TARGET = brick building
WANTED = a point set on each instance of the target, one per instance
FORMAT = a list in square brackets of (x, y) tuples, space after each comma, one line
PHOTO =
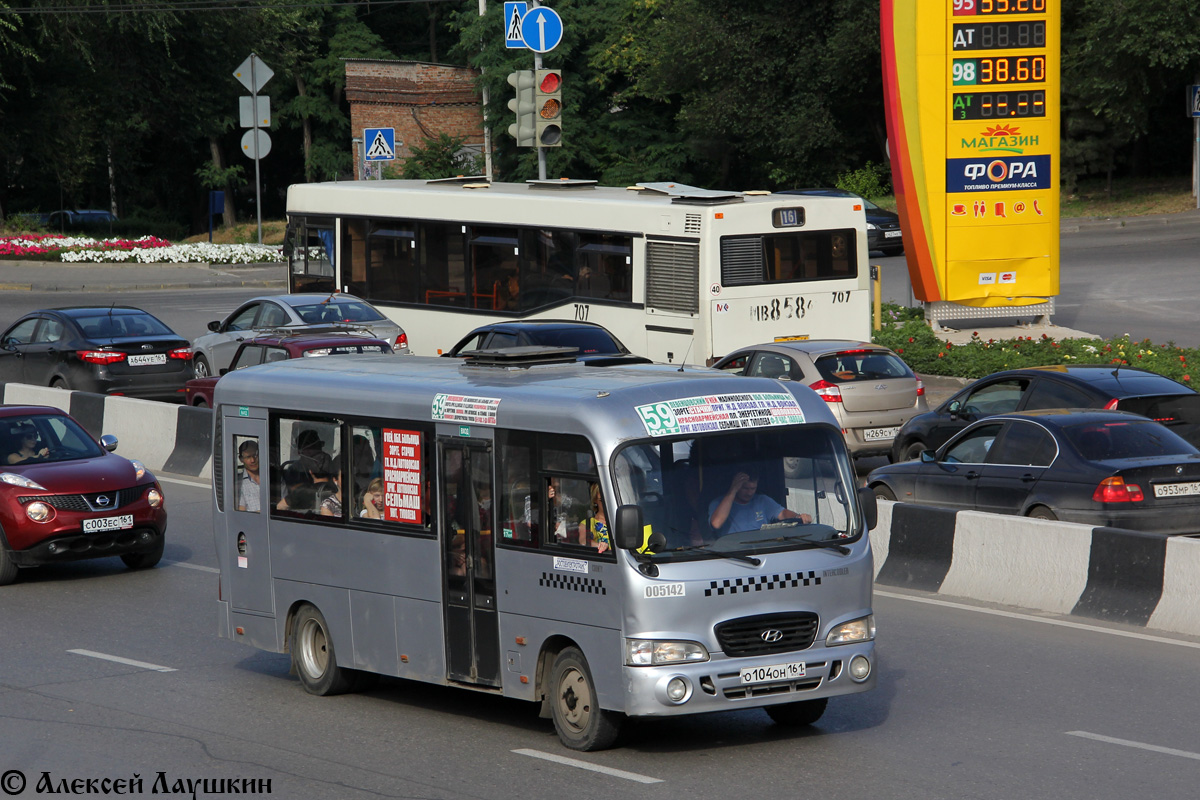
[(418, 99)]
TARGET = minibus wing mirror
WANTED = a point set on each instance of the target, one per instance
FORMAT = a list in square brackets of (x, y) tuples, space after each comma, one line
[(866, 498), (629, 527)]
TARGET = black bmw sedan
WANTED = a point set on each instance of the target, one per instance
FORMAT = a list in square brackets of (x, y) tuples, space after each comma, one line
[(1096, 467), (109, 350)]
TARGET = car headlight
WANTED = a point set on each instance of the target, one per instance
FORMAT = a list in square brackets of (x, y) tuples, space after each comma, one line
[(139, 468), (20, 480), (649, 652), (859, 630), (154, 497), (870, 226), (39, 511)]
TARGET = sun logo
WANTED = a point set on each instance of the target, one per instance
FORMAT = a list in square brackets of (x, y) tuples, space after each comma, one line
[(1001, 130)]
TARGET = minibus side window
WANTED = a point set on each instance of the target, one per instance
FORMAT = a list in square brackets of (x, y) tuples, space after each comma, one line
[(520, 498), (576, 513), (305, 461), (390, 475)]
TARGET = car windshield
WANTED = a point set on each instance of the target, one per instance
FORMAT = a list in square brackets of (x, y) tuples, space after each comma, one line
[(338, 310), (42, 438), (103, 325), (346, 349), (866, 365), (1106, 441), (787, 488), (589, 341)]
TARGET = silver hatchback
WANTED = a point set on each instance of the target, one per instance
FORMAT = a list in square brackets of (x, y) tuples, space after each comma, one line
[(869, 388), (214, 351)]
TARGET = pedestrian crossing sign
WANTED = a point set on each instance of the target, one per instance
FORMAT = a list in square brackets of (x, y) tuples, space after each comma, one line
[(381, 144)]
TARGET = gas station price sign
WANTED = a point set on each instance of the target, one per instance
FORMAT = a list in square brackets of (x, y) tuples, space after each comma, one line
[(988, 8)]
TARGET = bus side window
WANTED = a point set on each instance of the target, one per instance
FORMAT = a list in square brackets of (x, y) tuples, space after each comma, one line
[(305, 458), (520, 502)]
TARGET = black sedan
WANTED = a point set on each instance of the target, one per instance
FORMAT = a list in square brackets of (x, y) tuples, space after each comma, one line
[(1090, 386), (109, 350), (595, 344), (883, 226), (1095, 467)]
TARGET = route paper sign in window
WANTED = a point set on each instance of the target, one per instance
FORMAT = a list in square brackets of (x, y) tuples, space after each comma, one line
[(402, 476), (720, 412)]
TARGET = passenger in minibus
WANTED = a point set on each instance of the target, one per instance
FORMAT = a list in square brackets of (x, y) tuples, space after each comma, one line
[(743, 509), (248, 484), (331, 505), (299, 488), (372, 500), (593, 531)]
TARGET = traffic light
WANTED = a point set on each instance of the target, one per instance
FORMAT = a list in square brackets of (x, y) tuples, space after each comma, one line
[(549, 107), (523, 130)]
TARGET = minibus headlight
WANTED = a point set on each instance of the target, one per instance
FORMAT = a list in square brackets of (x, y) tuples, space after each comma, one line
[(648, 652), (859, 630)]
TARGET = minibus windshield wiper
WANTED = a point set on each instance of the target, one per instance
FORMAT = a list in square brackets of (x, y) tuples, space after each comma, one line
[(692, 548), (822, 543)]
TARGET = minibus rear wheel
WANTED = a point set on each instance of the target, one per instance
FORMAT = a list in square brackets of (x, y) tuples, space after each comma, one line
[(580, 721), (313, 657), (805, 712)]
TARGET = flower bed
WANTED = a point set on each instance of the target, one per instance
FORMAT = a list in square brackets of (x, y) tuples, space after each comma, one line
[(916, 343), (145, 250)]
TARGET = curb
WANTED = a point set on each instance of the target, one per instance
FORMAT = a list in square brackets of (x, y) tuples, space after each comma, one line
[(125, 287), (163, 436), (1108, 574)]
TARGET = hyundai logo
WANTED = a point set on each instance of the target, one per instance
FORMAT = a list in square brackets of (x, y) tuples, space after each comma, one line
[(771, 635), (102, 500)]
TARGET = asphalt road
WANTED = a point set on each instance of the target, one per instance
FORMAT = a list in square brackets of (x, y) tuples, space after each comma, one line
[(973, 702)]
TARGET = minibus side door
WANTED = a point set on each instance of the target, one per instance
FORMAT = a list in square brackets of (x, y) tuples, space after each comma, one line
[(245, 502), (465, 486)]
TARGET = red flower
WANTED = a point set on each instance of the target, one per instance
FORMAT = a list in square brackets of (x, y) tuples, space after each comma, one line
[(941, 355), (899, 349), (910, 339), (1187, 377)]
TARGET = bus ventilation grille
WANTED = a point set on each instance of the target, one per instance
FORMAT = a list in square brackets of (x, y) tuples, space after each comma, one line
[(767, 633)]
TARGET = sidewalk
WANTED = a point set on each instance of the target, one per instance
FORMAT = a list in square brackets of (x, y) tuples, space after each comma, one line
[(50, 276)]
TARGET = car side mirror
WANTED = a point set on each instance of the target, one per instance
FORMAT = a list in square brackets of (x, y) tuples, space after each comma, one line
[(870, 506), (629, 527), (928, 457), (108, 442), (955, 408), (215, 325)]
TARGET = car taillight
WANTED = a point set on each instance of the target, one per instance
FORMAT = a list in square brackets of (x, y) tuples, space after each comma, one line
[(920, 388), (100, 356), (830, 392), (1111, 405), (182, 353), (1116, 490), (401, 342)]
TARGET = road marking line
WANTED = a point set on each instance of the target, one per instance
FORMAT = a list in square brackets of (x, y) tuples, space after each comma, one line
[(185, 483), (1145, 637), (1170, 751), (128, 661), (186, 565), (574, 762)]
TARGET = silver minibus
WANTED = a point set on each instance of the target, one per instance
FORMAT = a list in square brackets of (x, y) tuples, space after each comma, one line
[(605, 542)]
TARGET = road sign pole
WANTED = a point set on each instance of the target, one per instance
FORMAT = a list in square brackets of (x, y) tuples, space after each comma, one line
[(541, 151), (257, 180)]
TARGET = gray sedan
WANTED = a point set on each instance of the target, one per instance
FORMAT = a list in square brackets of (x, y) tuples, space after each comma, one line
[(869, 388), (214, 351)]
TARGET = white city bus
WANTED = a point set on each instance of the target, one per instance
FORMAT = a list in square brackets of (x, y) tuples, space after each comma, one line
[(678, 274), (545, 532)]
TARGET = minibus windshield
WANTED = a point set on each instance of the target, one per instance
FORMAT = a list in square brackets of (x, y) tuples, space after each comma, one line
[(741, 493)]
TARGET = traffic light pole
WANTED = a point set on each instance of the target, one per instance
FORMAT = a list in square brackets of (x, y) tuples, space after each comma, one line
[(541, 151)]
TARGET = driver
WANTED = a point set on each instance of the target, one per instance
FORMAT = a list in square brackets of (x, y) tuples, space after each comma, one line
[(29, 450), (743, 509)]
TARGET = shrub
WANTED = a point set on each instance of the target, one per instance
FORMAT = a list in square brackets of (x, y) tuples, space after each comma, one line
[(870, 181)]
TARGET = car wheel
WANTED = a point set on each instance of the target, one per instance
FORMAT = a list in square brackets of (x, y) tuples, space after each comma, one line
[(795, 715), (580, 722), (147, 559), (913, 451), (8, 570), (60, 383), (200, 366), (313, 657), (1041, 512), (200, 403), (893, 251), (883, 493)]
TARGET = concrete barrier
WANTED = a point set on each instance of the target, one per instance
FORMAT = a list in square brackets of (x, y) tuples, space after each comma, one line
[(163, 436), (1060, 567)]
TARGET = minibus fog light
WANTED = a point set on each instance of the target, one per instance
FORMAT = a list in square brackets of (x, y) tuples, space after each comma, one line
[(859, 630), (860, 669), (677, 690), (154, 498), (39, 512), (648, 652)]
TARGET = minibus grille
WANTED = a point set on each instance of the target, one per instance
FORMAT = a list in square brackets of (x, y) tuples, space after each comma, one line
[(767, 633)]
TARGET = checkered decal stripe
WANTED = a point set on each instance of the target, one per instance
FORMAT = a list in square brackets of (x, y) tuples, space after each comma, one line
[(761, 583), (572, 583)]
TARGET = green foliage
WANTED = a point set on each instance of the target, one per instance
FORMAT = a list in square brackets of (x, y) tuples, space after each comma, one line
[(213, 178), (914, 341), (869, 181), (442, 157)]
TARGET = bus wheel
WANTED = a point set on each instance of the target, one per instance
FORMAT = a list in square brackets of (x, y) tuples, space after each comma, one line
[(313, 657), (578, 718), (806, 712)]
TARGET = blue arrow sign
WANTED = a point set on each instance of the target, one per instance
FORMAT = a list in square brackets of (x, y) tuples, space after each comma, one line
[(542, 29), (513, 14)]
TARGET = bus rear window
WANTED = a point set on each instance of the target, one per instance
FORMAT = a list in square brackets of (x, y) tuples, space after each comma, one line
[(788, 257)]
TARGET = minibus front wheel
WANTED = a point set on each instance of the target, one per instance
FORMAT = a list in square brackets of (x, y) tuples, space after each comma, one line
[(313, 657), (580, 722)]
